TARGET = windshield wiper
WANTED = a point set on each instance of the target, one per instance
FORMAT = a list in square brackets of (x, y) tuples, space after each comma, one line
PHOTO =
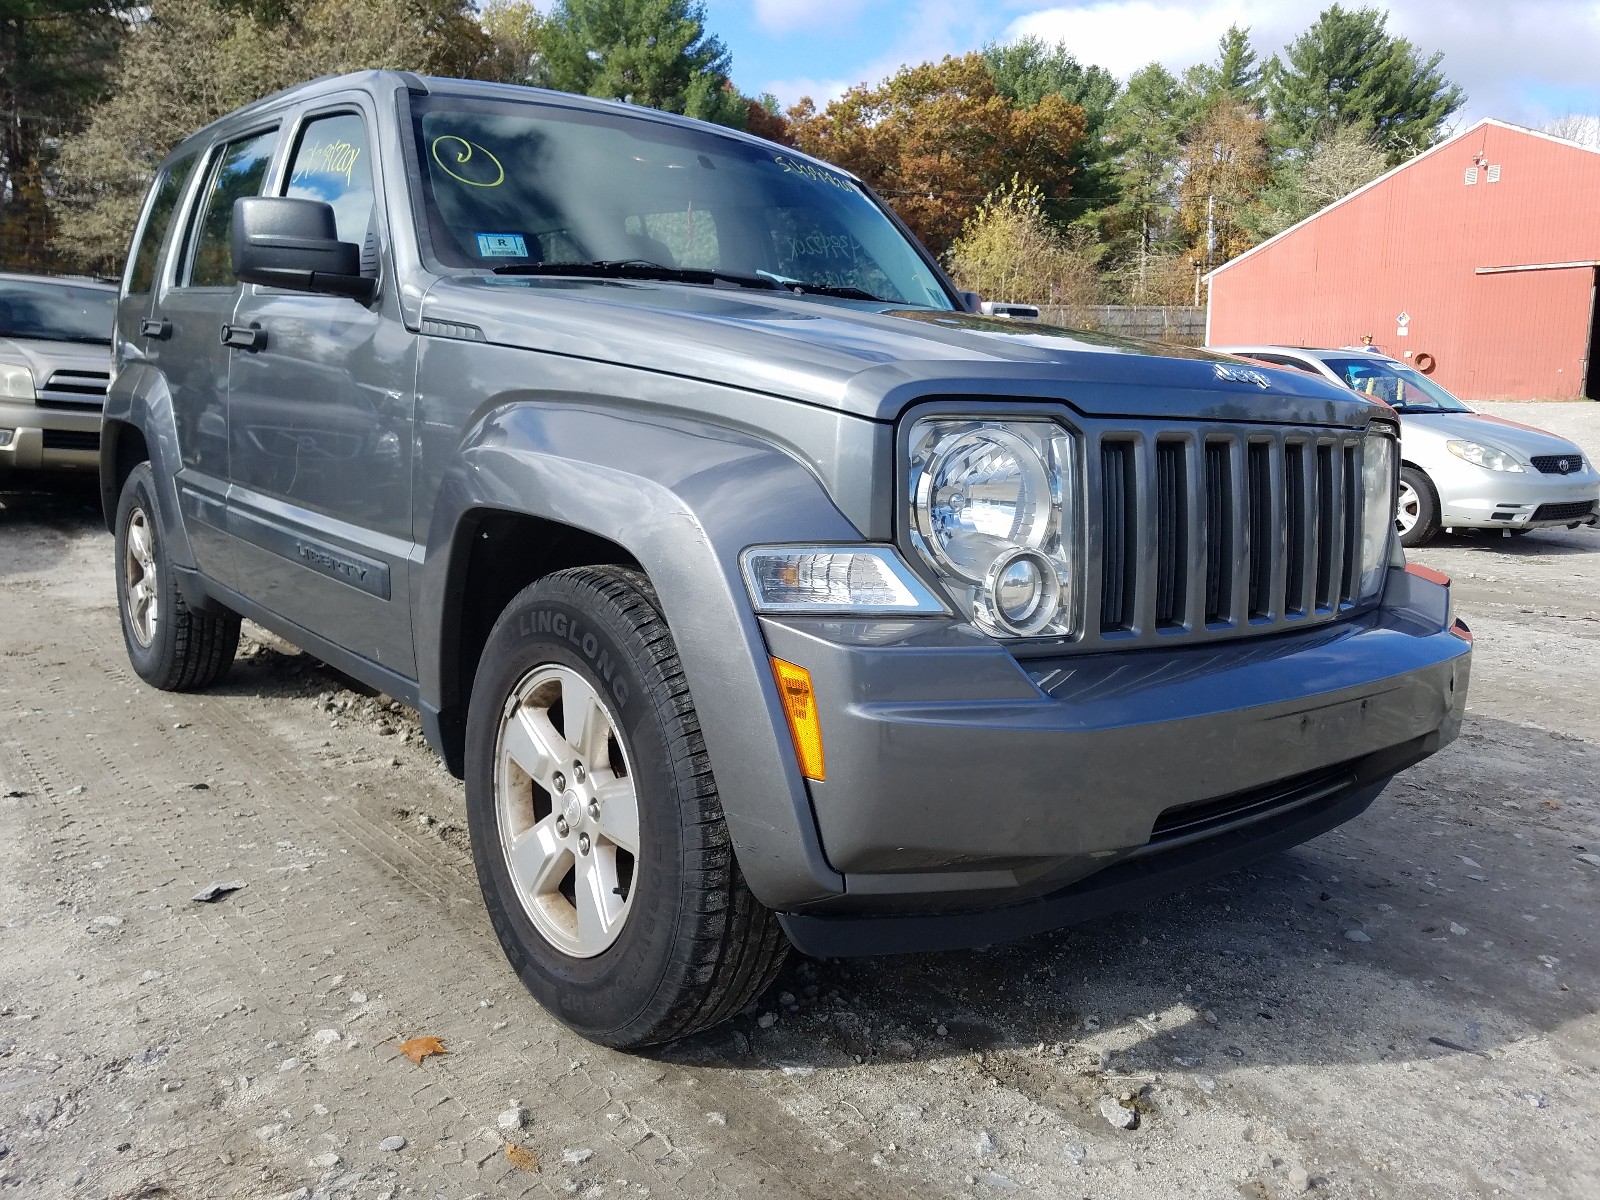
[(642, 268), (838, 291), (635, 268)]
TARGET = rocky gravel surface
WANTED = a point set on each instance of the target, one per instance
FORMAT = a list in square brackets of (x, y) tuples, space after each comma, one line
[(1404, 1008)]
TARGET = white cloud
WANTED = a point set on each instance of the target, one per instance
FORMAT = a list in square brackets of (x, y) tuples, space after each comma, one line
[(785, 16), (1525, 61), (928, 30)]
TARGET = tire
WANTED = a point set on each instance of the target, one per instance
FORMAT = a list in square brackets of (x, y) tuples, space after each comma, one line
[(668, 940), (172, 646), (1417, 520)]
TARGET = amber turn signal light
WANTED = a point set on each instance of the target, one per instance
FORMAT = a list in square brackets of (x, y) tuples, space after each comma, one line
[(800, 707)]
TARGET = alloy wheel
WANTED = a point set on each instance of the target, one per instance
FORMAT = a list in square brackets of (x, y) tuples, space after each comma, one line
[(1409, 510), (567, 811), (139, 582)]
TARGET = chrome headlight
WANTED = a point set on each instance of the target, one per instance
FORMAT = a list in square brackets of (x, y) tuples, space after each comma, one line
[(16, 382), (1490, 458), (1379, 485), (992, 513)]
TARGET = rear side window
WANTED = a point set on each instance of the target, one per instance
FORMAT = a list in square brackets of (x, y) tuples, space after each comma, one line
[(239, 171), (333, 164), (154, 234)]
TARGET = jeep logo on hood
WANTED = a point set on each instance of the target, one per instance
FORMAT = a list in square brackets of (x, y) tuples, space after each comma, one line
[(1232, 374)]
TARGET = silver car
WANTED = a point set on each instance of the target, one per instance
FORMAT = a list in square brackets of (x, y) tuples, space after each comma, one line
[(55, 363), (1460, 469)]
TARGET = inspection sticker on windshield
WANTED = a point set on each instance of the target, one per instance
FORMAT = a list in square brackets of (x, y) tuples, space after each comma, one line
[(502, 245)]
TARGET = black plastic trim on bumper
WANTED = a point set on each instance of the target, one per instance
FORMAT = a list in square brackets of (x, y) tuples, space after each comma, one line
[(1126, 885)]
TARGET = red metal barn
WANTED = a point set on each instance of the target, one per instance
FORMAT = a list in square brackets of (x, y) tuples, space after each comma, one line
[(1477, 261)]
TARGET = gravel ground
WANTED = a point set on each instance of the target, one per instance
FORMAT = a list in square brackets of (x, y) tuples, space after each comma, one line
[(1403, 1008)]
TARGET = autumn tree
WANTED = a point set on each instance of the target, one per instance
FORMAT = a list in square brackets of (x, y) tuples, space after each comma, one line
[(935, 139), (1347, 69), (1009, 250), (1028, 70), (1224, 169), (517, 33), (187, 62), (651, 52)]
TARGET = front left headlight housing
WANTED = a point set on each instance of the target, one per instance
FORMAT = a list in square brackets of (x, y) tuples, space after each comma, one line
[(1490, 458), (16, 382), (1380, 461), (992, 513)]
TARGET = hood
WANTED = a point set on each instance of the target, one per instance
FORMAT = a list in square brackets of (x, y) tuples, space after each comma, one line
[(869, 360), (44, 357), (1522, 440)]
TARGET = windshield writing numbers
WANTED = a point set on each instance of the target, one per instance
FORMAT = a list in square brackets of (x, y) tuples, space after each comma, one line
[(469, 163), (821, 245), (794, 167), (327, 158)]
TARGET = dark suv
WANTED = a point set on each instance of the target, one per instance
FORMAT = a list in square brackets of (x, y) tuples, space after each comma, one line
[(761, 591)]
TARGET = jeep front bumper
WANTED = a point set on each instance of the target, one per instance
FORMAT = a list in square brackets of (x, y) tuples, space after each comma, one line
[(971, 795)]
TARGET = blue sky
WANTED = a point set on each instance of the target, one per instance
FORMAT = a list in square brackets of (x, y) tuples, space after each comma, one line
[(1521, 60)]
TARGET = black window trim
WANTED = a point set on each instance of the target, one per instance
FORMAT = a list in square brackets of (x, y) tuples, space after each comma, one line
[(343, 104), (185, 159), (184, 264)]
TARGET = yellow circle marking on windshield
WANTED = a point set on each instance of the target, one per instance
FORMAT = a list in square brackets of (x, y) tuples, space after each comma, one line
[(463, 156)]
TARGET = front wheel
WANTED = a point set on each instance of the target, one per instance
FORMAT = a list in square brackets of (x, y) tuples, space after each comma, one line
[(1417, 515), (596, 827), (171, 646)]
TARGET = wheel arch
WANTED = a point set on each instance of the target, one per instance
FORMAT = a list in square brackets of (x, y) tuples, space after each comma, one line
[(122, 448), (568, 484)]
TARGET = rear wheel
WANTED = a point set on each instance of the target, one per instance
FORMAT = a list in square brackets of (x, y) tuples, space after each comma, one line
[(1417, 515), (171, 645), (596, 827)]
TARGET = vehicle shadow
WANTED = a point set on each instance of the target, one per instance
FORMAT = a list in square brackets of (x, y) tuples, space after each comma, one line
[(52, 509), (1441, 922), (1534, 543)]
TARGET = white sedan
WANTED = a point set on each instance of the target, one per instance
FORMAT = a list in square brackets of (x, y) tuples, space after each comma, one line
[(1460, 469)]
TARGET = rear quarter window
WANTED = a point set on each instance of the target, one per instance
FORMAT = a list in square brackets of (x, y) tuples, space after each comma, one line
[(153, 234)]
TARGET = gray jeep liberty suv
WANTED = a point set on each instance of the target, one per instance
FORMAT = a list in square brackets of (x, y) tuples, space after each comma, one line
[(760, 591)]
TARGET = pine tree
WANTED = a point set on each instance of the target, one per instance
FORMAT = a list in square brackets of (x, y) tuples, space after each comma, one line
[(1347, 69), (1027, 71), (651, 52), (1145, 127), (55, 57)]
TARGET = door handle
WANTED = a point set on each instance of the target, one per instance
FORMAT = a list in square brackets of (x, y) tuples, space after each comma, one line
[(160, 329), (245, 337)]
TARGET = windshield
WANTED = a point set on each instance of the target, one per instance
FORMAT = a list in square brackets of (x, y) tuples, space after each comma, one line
[(56, 312), (525, 187), (1403, 387)]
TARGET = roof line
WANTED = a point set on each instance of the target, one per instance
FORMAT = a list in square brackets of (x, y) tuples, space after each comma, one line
[(1451, 140), (1561, 266)]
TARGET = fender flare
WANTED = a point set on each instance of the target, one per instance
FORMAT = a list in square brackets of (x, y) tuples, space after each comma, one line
[(683, 501)]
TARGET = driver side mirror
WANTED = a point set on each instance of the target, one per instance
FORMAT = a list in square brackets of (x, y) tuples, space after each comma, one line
[(285, 242)]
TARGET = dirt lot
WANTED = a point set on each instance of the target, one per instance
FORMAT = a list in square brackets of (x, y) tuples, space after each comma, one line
[(1404, 1008)]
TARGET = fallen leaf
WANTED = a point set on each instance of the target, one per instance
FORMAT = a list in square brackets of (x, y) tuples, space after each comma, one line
[(1551, 805), (521, 1157), (419, 1048)]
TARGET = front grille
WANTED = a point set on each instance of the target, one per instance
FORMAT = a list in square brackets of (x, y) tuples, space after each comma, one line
[(74, 389), (1214, 532), (72, 439), (1574, 510), (1552, 464)]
